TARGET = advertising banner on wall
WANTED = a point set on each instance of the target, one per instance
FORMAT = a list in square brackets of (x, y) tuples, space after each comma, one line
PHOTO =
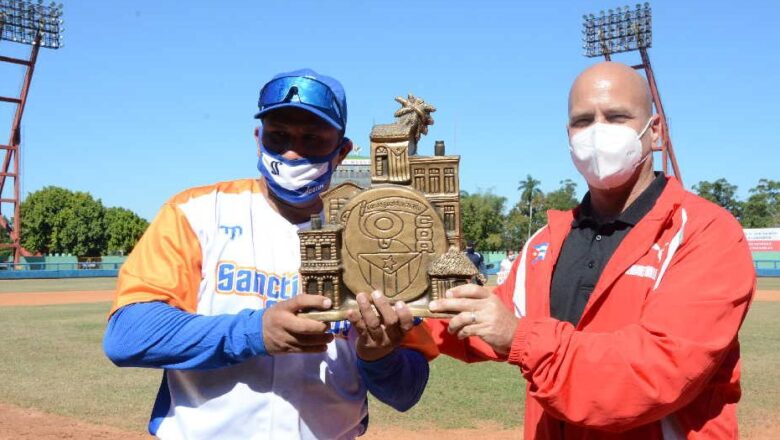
[(764, 239)]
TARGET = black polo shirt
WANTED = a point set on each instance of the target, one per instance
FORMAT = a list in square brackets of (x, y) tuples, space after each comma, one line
[(588, 248)]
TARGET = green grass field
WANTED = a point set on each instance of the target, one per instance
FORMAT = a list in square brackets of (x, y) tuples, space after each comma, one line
[(769, 283), (58, 366), (52, 360)]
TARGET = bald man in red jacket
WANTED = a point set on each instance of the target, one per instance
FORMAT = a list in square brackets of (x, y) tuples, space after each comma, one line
[(621, 314)]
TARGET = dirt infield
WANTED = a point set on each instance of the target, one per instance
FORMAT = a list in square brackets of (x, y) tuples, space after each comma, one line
[(486, 431), (50, 298), (768, 295), (27, 424)]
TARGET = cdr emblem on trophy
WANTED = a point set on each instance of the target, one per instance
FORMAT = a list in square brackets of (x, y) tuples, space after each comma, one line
[(393, 236), (401, 235)]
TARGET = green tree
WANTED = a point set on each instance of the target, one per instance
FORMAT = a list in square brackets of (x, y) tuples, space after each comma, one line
[(519, 224), (5, 238), (722, 193), (530, 196), (57, 220), (84, 227), (482, 219), (515, 229), (563, 198), (123, 230), (41, 218), (529, 189), (762, 208)]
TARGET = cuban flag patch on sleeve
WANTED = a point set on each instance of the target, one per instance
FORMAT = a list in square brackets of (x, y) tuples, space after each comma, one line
[(539, 252)]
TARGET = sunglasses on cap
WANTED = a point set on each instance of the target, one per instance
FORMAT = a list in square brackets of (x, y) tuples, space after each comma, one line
[(307, 91)]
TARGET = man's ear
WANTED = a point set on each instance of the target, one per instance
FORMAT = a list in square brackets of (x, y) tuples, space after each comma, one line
[(345, 150), (655, 131), (257, 139)]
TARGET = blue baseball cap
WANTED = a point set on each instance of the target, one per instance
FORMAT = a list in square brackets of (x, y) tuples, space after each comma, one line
[(306, 89)]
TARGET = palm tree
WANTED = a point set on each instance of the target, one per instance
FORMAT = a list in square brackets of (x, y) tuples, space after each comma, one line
[(415, 113), (530, 189)]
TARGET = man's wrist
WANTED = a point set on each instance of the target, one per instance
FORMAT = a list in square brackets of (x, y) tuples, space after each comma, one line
[(380, 364), (374, 354), (519, 344), (254, 333), (503, 348)]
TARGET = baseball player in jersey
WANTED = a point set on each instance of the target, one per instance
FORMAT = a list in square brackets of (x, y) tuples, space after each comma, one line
[(210, 294)]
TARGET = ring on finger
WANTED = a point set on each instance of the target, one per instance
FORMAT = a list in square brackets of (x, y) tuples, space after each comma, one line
[(473, 317)]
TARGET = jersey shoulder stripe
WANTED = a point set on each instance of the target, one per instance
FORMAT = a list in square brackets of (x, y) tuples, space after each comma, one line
[(227, 187)]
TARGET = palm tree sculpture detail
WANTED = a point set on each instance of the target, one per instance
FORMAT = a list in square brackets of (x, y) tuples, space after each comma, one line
[(416, 114)]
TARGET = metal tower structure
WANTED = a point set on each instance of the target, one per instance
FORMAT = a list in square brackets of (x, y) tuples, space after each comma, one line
[(627, 30), (39, 26)]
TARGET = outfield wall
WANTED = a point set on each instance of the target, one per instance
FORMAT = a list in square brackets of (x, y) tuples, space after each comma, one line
[(767, 264), (61, 266), (47, 274)]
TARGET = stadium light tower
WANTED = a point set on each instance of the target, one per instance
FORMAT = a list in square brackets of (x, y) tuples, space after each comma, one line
[(38, 25), (627, 30)]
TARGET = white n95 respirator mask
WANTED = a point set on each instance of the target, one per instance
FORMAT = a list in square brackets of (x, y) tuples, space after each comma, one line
[(607, 154)]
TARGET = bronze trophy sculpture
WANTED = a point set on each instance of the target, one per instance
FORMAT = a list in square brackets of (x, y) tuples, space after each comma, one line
[(401, 235)]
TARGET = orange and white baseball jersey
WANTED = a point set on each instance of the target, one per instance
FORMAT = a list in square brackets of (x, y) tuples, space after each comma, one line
[(220, 249)]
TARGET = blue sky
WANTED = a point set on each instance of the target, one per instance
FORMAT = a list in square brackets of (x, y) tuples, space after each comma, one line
[(148, 98)]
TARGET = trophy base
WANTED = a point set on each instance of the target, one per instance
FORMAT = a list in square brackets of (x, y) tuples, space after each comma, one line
[(418, 310)]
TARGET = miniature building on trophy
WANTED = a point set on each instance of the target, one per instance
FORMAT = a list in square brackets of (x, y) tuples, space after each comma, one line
[(335, 198), (450, 270), (394, 160), (437, 177), (321, 269)]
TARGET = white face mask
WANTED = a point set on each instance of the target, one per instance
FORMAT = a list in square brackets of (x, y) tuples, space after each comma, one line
[(296, 181), (607, 154)]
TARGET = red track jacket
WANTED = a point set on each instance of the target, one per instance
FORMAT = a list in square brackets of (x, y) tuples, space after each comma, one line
[(655, 354)]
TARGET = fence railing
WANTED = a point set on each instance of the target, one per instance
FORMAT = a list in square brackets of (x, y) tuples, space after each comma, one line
[(763, 267), (80, 265), (767, 268)]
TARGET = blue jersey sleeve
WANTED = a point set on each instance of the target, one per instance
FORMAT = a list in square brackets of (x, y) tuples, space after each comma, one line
[(156, 335), (397, 379)]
